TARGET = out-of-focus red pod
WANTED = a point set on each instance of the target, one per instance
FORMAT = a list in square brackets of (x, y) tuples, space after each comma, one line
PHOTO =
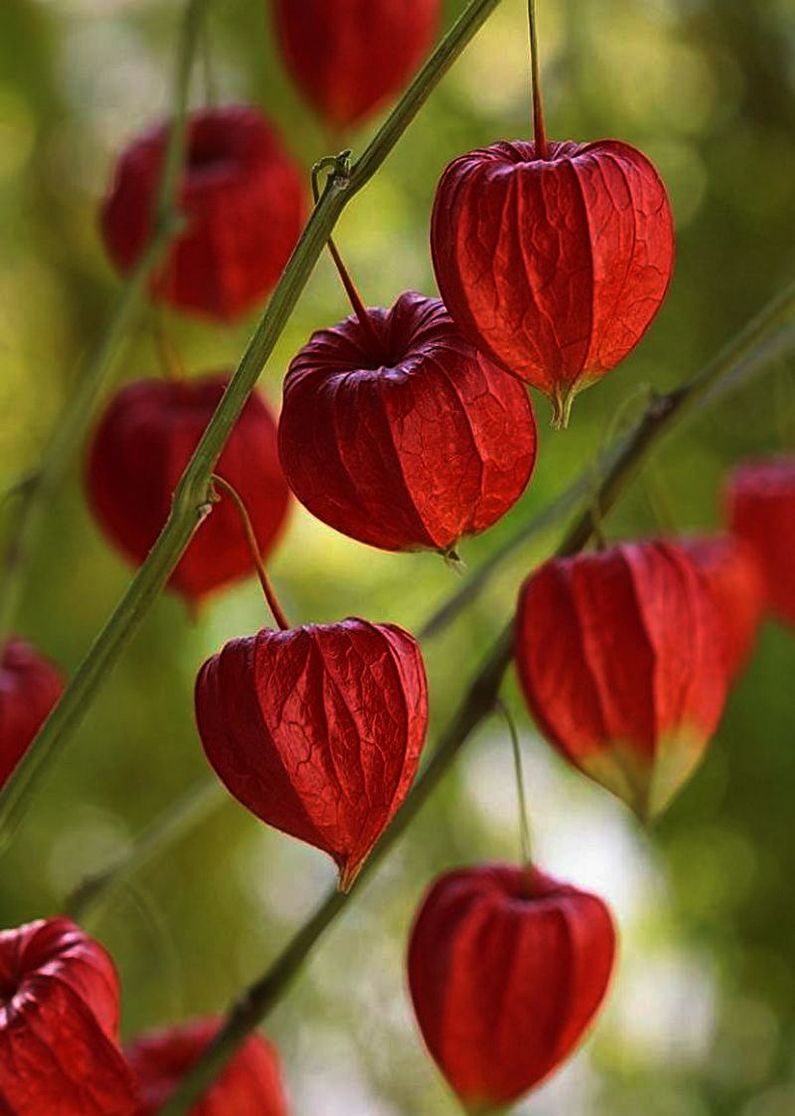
[(555, 266), (350, 56), (318, 730), (243, 199), (29, 687), (59, 1016), (734, 577), (507, 968), (760, 500), (250, 1085), (621, 656), (142, 444), (402, 435)]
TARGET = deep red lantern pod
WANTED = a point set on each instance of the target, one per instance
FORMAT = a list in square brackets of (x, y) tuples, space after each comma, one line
[(318, 730), (398, 433), (621, 657), (30, 685), (734, 577), (243, 198), (250, 1084), (507, 968), (555, 266), (760, 508), (350, 56), (143, 442), (59, 1017)]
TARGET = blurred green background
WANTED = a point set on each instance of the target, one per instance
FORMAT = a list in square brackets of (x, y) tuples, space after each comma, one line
[(702, 1015)]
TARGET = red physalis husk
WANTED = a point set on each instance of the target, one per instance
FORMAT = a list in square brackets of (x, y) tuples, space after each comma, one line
[(318, 730), (249, 1085), (760, 499), (30, 685), (403, 436), (507, 968), (553, 266), (734, 576), (350, 56), (243, 199), (621, 656), (59, 1017), (141, 446)]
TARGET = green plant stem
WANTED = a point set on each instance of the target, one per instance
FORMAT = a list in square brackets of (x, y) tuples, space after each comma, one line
[(191, 498), (661, 416), (177, 819), (525, 843), (159, 834), (539, 131), (70, 430)]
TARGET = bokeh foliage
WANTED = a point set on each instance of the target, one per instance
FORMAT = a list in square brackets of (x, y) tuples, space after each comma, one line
[(703, 1014)]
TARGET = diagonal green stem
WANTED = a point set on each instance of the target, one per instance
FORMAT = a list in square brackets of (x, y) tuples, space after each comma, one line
[(70, 431), (662, 416), (191, 502), (179, 818)]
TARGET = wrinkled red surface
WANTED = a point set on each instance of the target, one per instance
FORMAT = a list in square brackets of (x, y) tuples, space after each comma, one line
[(349, 56), (139, 450), (555, 267), (250, 1085), (760, 500), (621, 650), (409, 446), (318, 730), (507, 968), (59, 1016), (29, 687), (243, 198), (735, 579)]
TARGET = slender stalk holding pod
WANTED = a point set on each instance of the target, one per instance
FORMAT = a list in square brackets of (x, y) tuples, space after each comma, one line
[(256, 557), (539, 131)]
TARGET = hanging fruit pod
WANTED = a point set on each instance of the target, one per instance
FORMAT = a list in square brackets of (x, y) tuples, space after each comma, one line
[(139, 450), (318, 730), (621, 657), (395, 431), (348, 57), (249, 1085), (59, 1023), (760, 499), (507, 968), (30, 685), (243, 201), (554, 264)]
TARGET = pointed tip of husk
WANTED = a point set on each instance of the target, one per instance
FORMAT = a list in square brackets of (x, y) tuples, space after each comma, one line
[(349, 873)]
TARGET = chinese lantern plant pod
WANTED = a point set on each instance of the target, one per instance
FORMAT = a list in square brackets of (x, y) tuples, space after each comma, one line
[(507, 968), (553, 262), (243, 200), (29, 687), (250, 1085), (397, 432), (59, 1016), (734, 576), (143, 442), (318, 730), (621, 657), (349, 56), (761, 509)]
